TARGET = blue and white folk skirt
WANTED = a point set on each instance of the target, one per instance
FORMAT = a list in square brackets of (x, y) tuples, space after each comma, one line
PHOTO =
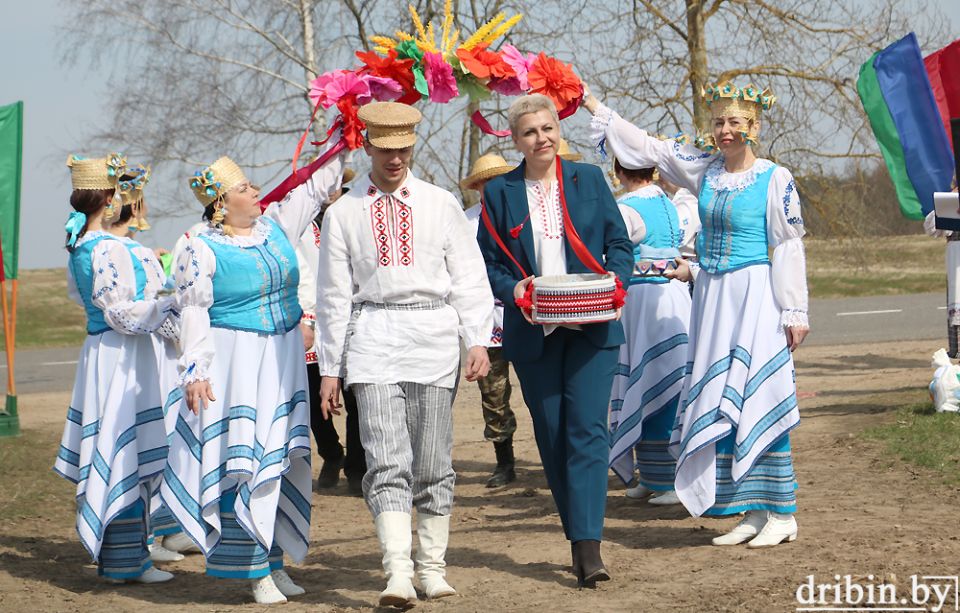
[(114, 445), (739, 400), (649, 379), (253, 441)]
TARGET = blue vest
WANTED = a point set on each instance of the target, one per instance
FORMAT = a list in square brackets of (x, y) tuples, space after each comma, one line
[(81, 265), (734, 233), (255, 288), (663, 238)]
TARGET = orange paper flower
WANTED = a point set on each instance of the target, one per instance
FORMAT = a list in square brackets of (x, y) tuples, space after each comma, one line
[(554, 79), (485, 64), (391, 67)]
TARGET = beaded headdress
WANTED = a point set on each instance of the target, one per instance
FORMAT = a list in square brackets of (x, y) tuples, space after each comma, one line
[(727, 100), (216, 180)]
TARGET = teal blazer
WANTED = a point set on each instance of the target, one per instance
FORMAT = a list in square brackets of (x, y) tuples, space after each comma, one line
[(597, 219)]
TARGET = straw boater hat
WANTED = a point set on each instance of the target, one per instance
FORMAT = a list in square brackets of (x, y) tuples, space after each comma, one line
[(486, 167), (216, 180), (131, 192), (390, 125), (565, 152), (99, 173)]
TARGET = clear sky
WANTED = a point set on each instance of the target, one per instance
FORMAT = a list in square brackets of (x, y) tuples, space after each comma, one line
[(61, 106)]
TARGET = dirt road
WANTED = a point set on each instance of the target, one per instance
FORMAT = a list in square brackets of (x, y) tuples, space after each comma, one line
[(861, 513)]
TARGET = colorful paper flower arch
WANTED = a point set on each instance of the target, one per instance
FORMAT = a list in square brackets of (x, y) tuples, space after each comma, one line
[(410, 67)]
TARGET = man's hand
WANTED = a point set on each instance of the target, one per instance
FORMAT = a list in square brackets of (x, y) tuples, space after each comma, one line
[(478, 363), (199, 395), (682, 271), (795, 336), (518, 292), (308, 336), (330, 396)]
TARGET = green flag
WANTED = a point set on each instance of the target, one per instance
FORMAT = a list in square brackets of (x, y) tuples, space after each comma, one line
[(11, 161)]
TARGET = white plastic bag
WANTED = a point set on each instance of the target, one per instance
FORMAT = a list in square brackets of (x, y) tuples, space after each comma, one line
[(945, 387)]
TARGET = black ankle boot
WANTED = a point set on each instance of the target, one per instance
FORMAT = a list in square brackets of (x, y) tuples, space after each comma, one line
[(329, 474), (504, 473), (588, 564)]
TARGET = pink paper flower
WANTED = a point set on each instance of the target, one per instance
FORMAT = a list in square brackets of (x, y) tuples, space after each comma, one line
[(382, 88), (520, 63), (330, 87), (440, 80), (510, 86)]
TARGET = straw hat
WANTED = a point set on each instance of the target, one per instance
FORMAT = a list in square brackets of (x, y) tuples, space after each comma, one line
[(99, 173), (390, 125), (131, 189), (216, 180), (565, 152), (348, 175), (486, 167)]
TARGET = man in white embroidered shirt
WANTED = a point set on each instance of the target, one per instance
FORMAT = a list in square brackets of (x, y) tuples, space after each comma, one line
[(400, 268)]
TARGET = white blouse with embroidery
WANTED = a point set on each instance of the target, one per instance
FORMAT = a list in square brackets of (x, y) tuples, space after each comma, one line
[(410, 247), (688, 167), (196, 265), (115, 289)]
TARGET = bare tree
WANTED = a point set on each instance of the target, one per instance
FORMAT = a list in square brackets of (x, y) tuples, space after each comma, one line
[(202, 78)]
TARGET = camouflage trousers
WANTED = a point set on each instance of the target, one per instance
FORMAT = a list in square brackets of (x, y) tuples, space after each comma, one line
[(500, 421)]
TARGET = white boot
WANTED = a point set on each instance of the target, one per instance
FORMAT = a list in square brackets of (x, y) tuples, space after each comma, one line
[(778, 528), (285, 584), (393, 532), (665, 499), (159, 553), (179, 542), (434, 532), (750, 526), (265, 591)]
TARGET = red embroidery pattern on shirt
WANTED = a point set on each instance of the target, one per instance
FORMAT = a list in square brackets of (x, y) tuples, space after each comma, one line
[(551, 221), (316, 234), (392, 223)]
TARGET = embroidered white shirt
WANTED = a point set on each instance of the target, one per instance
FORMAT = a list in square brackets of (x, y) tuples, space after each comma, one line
[(410, 247)]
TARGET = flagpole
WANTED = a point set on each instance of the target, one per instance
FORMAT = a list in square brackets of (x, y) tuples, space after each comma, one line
[(10, 423)]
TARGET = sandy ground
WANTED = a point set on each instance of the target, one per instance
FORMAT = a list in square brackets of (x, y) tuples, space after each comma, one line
[(861, 513)]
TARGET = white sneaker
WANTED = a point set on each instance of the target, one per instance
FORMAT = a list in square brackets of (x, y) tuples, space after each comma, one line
[(285, 584), (180, 542), (778, 528), (265, 591), (159, 553), (640, 491), (152, 575), (665, 499), (750, 526)]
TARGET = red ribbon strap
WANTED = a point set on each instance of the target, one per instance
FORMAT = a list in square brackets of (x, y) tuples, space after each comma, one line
[(496, 237), (485, 127), (300, 175), (583, 254), (303, 137)]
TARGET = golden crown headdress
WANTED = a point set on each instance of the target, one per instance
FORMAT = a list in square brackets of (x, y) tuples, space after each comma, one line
[(727, 100), (97, 173), (216, 180)]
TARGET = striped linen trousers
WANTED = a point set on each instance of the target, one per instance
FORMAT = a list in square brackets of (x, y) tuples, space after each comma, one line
[(407, 435)]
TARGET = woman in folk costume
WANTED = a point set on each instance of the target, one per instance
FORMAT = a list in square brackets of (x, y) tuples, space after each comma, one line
[(561, 368), (749, 312), (238, 474), (114, 444), (499, 420), (132, 219), (646, 389)]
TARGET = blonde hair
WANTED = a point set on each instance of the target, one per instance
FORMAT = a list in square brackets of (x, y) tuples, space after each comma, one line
[(531, 103)]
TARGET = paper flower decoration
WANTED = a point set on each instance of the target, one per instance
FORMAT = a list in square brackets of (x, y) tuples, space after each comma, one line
[(554, 79), (441, 83), (391, 67)]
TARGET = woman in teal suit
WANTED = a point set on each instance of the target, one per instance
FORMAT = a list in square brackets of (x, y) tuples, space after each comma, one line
[(565, 372)]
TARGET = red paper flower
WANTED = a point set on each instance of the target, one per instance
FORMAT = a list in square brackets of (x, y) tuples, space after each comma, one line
[(554, 79), (391, 67), (485, 64), (353, 126)]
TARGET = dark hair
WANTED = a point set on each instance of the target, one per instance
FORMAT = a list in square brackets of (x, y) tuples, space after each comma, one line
[(126, 214), (89, 202), (210, 209), (634, 174)]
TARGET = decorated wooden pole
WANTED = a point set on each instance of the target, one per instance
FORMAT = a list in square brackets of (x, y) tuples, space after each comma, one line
[(11, 150)]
